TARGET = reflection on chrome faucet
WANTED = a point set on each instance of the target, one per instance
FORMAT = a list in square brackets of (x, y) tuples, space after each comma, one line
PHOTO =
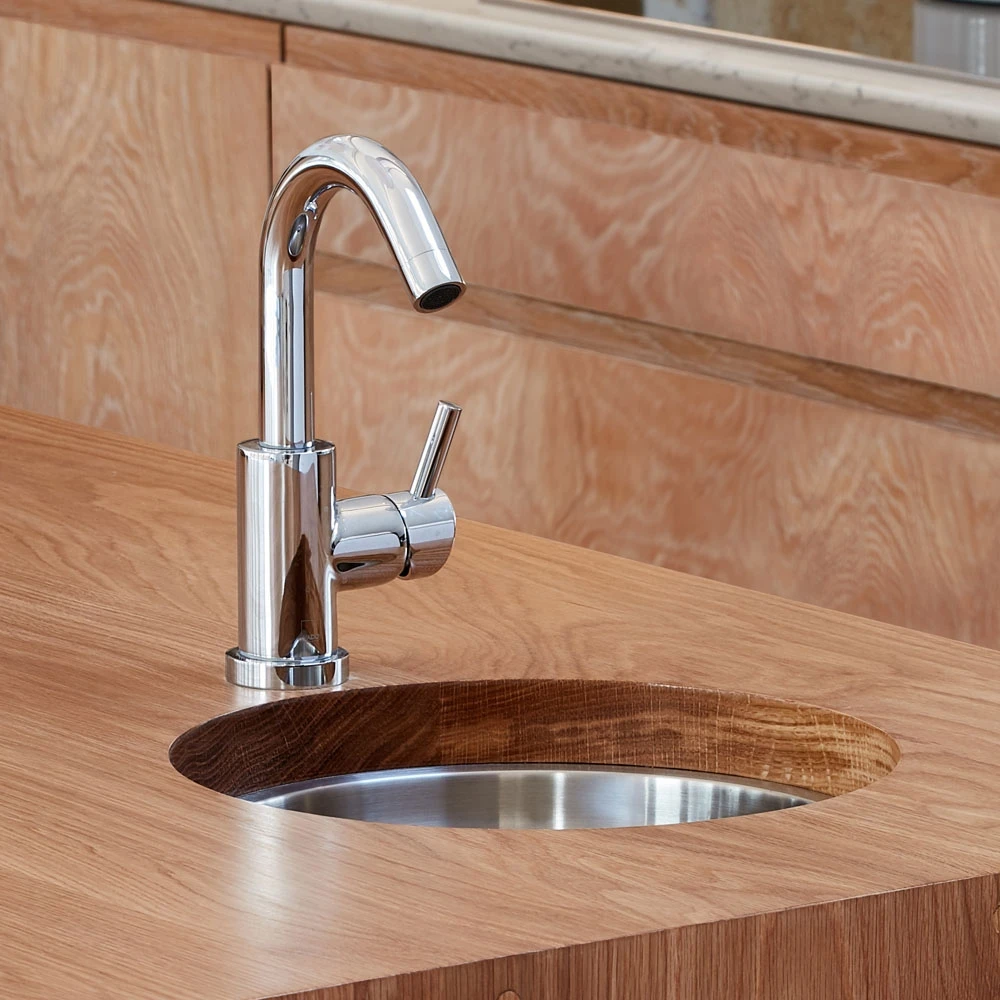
[(298, 546)]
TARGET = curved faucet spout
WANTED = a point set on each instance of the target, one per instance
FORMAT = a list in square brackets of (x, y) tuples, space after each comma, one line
[(288, 240)]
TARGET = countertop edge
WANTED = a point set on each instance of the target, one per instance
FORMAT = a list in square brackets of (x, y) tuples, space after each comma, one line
[(772, 74)]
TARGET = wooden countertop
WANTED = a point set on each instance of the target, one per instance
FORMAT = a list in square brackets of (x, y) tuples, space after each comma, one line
[(121, 878)]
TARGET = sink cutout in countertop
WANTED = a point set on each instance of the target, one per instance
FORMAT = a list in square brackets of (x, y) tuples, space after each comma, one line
[(534, 754)]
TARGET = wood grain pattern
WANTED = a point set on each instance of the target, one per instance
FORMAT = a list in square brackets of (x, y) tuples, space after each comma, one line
[(838, 264), (117, 559), (859, 511), (157, 21), (535, 721), (131, 183), (681, 350), (960, 165)]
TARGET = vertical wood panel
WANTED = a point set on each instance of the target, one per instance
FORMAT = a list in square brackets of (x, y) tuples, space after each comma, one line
[(847, 509), (132, 179), (834, 263)]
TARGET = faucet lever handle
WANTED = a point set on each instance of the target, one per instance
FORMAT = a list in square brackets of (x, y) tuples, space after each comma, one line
[(435, 452)]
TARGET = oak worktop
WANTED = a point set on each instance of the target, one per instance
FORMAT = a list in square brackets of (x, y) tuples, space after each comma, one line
[(121, 878)]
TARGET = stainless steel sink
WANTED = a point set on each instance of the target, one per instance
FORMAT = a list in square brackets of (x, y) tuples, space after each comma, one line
[(533, 796)]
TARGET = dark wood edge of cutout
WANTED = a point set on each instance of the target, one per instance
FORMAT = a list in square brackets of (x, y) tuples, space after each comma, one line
[(535, 721)]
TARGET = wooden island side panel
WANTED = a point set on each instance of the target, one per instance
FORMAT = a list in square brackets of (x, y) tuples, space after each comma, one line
[(926, 943)]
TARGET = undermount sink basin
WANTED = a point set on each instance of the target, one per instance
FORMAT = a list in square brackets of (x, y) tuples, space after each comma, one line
[(534, 754), (533, 796)]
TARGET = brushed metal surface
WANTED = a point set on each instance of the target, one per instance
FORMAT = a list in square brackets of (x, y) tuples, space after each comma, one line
[(533, 796)]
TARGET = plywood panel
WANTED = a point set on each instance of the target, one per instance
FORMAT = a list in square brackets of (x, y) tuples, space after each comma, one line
[(132, 179), (154, 20), (843, 508), (961, 165), (834, 263)]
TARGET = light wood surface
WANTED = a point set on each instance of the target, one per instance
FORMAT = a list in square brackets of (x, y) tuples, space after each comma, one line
[(131, 183), (156, 21), (848, 509), (855, 26), (964, 166), (121, 878), (841, 264), (884, 30), (682, 350)]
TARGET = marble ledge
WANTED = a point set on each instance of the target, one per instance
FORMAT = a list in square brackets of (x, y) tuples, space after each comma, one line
[(674, 57)]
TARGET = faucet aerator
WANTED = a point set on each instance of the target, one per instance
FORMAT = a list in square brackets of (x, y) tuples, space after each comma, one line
[(438, 298)]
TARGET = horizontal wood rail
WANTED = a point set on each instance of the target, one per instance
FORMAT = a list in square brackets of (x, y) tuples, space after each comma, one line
[(682, 350)]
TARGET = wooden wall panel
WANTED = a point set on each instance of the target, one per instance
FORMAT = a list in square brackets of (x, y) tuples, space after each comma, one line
[(848, 509), (835, 263), (132, 180), (154, 20)]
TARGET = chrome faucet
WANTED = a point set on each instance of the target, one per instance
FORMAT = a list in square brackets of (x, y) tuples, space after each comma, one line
[(298, 545)]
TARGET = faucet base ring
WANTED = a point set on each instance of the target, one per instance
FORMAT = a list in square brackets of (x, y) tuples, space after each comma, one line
[(285, 675)]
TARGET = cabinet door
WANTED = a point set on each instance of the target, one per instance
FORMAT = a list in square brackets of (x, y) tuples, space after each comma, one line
[(133, 177), (545, 188), (575, 428)]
